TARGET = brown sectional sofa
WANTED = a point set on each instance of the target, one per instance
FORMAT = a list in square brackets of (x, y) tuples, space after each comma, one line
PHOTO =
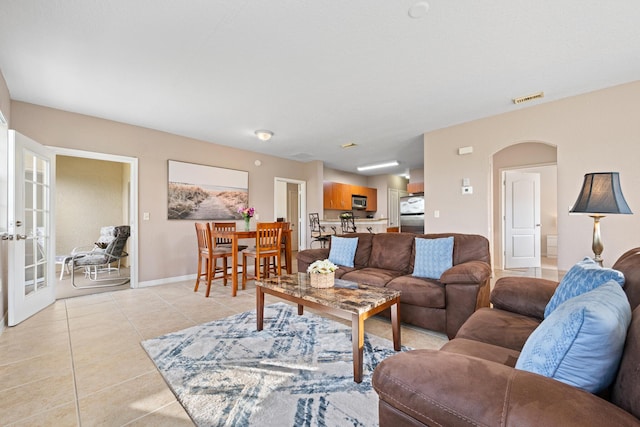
[(387, 259), (471, 380)]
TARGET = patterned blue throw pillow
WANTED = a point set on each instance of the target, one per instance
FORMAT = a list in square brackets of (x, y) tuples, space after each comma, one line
[(343, 250), (582, 277), (581, 342), (433, 257)]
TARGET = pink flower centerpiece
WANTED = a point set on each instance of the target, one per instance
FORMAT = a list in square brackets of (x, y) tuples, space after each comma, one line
[(247, 214)]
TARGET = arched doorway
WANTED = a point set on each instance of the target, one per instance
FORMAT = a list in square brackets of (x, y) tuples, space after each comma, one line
[(533, 158)]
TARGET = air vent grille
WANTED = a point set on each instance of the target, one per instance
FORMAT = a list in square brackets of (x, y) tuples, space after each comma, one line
[(528, 98)]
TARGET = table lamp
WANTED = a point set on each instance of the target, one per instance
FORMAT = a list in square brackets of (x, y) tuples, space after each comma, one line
[(600, 194)]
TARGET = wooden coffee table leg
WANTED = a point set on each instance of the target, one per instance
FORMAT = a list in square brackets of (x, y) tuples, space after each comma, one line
[(259, 307), (395, 325), (300, 309), (357, 338)]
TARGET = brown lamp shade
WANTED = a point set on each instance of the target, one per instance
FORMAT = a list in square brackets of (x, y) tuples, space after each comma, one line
[(601, 194)]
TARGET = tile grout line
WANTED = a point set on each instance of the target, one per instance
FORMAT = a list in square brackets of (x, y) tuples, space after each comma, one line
[(73, 367)]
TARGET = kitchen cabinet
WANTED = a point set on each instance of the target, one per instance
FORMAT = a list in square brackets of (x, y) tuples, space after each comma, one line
[(415, 187), (337, 196), (372, 199)]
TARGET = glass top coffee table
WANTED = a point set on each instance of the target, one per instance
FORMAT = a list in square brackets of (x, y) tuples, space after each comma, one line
[(346, 300)]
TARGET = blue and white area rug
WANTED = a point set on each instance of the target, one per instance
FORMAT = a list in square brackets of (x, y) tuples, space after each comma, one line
[(297, 371)]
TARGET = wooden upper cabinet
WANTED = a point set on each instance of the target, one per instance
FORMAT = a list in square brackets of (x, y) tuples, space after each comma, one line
[(415, 187), (328, 195), (372, 199), (337, 196)]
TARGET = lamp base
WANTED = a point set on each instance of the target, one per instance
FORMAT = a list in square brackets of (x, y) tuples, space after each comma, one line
[(597, 245)]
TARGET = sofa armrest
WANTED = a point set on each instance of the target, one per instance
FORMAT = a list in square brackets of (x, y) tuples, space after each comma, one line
[(440, 388), (308, 256), (523, 295), (470, 272)]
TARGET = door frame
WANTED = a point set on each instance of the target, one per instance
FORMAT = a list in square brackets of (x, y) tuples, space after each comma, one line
[(302, 207), (133, 198)]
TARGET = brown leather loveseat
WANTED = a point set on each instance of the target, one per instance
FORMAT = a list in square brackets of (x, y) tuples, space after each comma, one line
[(387, 260), (472, 379)]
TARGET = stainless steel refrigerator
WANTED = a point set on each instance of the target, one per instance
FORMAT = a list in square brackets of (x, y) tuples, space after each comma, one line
[(412, 214)]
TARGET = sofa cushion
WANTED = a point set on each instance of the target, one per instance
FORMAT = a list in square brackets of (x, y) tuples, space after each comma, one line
[(489, 325), (582, 277), (625, 391), (363, 251), (494, 353), (392, 251), (420, 292), (433, 257), (371, 276), (627, 264), (343, 251), (580, 343), (522, 295)]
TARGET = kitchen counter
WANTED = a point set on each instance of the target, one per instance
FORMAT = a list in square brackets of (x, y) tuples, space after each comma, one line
[(378, 225)]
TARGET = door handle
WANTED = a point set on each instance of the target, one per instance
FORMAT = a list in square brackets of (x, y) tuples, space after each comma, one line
[(21, 237), (6, 236)]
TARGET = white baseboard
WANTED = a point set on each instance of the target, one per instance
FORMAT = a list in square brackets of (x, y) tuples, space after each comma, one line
[(166, 280)]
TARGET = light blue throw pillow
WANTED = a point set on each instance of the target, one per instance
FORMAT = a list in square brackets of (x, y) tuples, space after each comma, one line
[(343, 250), (581, 342), (582, 277), (433, 257)]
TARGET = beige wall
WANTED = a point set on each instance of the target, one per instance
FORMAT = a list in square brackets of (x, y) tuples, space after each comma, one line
[(89, 195), (166, 248), (599, 131)]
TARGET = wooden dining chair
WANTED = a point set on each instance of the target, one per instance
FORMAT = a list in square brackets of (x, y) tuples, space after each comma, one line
[(208, 255), (268, 245), (225, 241), (286, 226)]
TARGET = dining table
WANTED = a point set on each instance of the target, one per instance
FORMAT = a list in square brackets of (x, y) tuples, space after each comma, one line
[(237, 235)]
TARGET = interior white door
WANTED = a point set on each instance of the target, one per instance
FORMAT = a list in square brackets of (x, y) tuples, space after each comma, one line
[(522, 219), (393, 207), (31, 255), (293, 215)]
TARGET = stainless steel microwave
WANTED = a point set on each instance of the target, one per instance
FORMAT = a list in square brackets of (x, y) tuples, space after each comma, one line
[(358, 202)]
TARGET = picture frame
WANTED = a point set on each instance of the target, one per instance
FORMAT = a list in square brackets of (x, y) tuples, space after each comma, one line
[(201, 192)]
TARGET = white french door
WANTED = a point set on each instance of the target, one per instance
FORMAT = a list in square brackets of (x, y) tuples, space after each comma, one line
[(30, 228)]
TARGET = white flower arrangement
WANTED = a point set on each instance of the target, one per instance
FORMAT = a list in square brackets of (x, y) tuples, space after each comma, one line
[(322, 267)]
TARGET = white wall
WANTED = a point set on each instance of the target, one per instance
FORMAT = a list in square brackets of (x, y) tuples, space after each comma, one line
[(594, 132)]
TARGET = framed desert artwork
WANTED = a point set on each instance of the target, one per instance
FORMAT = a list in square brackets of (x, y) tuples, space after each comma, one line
[(200, 192)]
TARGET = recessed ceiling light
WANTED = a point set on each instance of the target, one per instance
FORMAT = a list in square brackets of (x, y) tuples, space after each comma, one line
[(263, 134), (419, 10), (378, 166)]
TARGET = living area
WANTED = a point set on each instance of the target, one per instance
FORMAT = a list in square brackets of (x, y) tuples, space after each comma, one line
[(433, 85)]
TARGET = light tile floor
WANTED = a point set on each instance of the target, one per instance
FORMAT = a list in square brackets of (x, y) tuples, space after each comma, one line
[(79, 362)]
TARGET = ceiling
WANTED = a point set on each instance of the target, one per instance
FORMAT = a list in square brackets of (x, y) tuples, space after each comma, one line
[(318, 74)]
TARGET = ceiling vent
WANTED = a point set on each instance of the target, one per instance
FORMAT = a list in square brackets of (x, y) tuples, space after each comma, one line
[(528, 98)]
